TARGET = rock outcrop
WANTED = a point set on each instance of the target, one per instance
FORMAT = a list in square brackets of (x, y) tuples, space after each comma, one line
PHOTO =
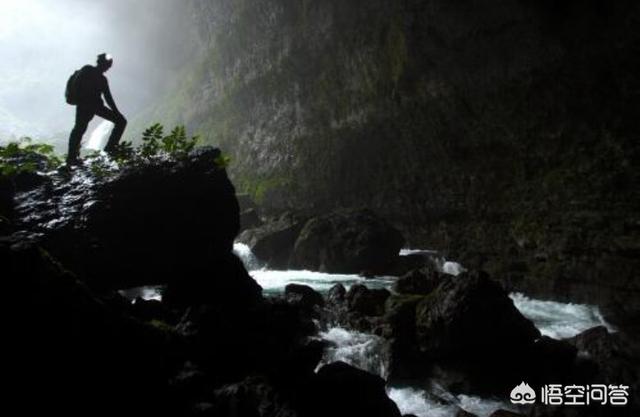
[(467, 332), (471, 317), (213, 344), (419, 281), (72, 350), (272, 243), (166, 221), (303, 296), (347, 241), (353, 392), (365, 301)]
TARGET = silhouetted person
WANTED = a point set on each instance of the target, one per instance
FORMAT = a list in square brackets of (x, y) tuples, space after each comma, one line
[(91, 85)]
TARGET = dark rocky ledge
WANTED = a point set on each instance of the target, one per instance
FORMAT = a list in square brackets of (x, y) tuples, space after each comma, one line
[(212, 347)]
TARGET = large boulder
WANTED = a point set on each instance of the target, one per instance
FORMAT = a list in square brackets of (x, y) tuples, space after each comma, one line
[(253, 396), (419, 281), (231, 341), (337, 389), (336, 294), (73, 349), (221, 280), (152, 223), (405, 361), (340, 390), (303, 296), (348, 241), (273, 242), (615, 358), (468, 334), (365, 301), (472, 316)]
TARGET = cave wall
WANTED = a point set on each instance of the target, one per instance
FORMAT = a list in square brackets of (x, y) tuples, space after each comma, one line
[(501, 132)]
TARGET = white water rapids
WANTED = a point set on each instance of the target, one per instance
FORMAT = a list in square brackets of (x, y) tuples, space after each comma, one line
[(366, 351)]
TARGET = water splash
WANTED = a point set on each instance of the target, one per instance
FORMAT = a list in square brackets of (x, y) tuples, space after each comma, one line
[(421, 404), (274, 282), (559, 320), (452, 268), (441, 263), (362, 350), (426, 252), (146, 293), (415, 401), (247, 257)]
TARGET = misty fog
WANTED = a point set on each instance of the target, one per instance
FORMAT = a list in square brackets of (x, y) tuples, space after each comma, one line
[(42, 42)]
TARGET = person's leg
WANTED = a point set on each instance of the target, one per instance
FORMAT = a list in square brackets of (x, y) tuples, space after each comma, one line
[(120, 124), (83, 117)]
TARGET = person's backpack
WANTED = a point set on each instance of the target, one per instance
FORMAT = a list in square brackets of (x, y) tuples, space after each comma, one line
[(72, 92)]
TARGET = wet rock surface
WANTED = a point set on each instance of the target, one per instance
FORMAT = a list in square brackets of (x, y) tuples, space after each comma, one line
[(348, 241), (303, 296), (147, 224), (212, 346), (419, 281), (68, 340), (353, 392), (467, 334), (273, 242), (365, 301), (471, 315)]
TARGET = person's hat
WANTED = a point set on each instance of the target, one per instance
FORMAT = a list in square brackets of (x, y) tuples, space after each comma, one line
[(105, 58)]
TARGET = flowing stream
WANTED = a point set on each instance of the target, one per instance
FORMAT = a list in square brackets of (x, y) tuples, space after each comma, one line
[(366, 351)]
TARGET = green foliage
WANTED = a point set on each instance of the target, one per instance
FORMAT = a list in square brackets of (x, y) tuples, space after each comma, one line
[(24, 156), (155, 144), (222, 161), (151, 139), (176, 144), (123, 152)]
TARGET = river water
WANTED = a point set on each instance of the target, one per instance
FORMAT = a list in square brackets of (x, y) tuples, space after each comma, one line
[(366, 351)]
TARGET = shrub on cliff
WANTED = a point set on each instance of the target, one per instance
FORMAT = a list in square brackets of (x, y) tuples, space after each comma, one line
[(155, 145), (24, 156)]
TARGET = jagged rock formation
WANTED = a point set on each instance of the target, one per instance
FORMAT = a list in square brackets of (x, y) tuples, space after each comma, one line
[(72, 350), (212, 346), (166, 221), (502, 133)]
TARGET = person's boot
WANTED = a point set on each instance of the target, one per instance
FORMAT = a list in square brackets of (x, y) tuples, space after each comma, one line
[(74, 162)]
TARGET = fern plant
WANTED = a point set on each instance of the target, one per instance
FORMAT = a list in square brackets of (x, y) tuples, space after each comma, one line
[(151, 139), (25, 156), (175, 144)]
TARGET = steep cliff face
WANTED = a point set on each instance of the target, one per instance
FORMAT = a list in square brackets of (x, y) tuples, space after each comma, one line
[(502, 132)]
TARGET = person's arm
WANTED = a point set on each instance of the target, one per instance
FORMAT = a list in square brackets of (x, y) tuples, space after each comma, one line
[(109, 98)]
